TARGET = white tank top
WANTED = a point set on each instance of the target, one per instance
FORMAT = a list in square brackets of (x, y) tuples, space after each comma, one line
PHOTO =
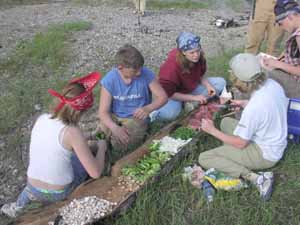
[(49, 161)]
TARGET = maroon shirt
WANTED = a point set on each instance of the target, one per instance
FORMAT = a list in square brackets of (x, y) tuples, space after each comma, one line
[(172, 79)]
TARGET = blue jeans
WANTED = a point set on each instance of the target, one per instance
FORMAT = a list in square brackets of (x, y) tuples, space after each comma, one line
[(172, 108), (31, 193)]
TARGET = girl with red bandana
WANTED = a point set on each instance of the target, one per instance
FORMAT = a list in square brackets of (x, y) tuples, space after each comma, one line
[(60, 158)]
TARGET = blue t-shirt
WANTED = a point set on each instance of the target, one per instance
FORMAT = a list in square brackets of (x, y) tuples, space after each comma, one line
[(126, 98)]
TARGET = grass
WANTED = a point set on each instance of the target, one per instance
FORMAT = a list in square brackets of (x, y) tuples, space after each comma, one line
[(236, 5), (32, 68), (219, 66), (185, 4), (195, 4), (21, 2), (172, 201), (35, 66)]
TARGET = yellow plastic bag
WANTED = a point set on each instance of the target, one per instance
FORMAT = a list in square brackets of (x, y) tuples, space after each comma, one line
[(221, 181)]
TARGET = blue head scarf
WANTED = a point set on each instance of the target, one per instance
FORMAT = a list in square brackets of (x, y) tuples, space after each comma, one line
[(187, 41)]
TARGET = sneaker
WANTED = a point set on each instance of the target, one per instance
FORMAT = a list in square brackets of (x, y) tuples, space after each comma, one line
[(153, 115), (11, 209), (264, 183)]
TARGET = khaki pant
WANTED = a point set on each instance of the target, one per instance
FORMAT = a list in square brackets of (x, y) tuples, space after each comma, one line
[(137, 132), (290, 85), (262, 25), (140, 6), (232, 161)]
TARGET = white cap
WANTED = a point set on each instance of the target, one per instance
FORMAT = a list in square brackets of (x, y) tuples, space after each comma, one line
[(245, 66)]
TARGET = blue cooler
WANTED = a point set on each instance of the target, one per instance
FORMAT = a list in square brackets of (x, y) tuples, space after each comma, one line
[(293, 118)]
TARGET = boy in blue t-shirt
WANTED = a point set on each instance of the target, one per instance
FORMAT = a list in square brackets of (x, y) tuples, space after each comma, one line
[(126, 99)]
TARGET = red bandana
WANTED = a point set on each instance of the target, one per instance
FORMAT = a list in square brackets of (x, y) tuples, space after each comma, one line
[(84, 100)]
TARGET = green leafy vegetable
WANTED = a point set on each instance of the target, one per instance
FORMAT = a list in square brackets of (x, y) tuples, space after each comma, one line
[(184, 133), (100, 136), (149, 165)]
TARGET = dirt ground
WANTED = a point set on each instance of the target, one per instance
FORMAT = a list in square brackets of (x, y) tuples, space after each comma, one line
[(112, 27)]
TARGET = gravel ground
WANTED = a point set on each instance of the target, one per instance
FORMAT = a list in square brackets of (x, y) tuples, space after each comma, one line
[(112, 27), (94, 49)]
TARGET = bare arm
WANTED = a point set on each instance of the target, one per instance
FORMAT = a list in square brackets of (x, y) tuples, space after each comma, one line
[(276, 64), (104, 108), (241, 103), (159, 100), (74, 139), (160, 96), (120, 133), (188, 97), (198, 98), (235, 141), (182, 97)]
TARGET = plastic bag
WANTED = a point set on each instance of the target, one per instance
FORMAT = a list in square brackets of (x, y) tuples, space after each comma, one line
[(194, 174), (221, 181)]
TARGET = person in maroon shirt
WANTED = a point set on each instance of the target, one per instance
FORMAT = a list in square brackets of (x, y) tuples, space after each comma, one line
[(181, 76)]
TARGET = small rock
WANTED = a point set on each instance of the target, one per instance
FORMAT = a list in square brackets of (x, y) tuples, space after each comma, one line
[(37, 107), (2, 143)]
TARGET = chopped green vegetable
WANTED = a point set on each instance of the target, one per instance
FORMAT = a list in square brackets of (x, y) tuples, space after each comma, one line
[(184, 133), (100, 136), (149, 165), (154, 146)]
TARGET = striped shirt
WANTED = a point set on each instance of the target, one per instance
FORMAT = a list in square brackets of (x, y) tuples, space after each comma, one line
[(292, 51)]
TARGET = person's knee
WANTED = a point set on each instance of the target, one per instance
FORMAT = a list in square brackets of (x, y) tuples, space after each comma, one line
[(170, 111), (220, 84), (169, 115), (203, 159), (226, 121), (223, 123)]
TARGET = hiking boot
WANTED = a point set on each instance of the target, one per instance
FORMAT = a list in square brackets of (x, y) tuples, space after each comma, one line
[(264, 184), (11, 209)]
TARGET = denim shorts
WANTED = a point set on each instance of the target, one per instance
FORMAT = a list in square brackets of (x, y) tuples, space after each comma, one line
[(44, 196)]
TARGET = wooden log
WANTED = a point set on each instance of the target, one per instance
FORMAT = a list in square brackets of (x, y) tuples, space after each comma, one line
[(134, 156), (110, 188)]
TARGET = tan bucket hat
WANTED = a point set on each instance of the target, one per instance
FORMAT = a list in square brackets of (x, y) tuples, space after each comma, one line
[(245, 67)]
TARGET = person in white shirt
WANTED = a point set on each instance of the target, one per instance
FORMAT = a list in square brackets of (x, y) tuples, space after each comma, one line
[(259, 139)]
